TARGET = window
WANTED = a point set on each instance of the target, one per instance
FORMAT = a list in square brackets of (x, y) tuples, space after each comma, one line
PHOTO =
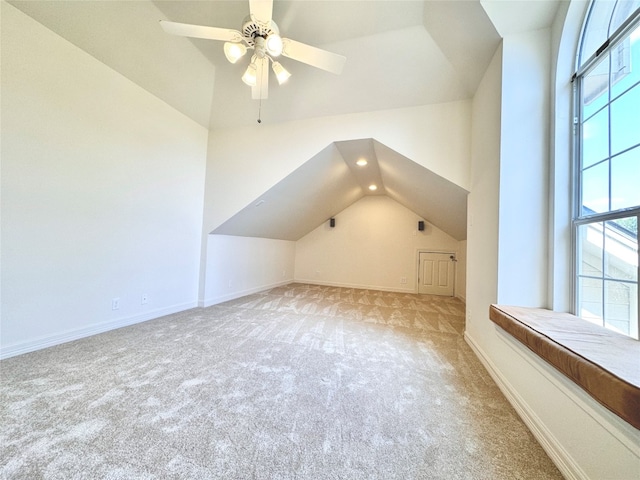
[(607, 166)]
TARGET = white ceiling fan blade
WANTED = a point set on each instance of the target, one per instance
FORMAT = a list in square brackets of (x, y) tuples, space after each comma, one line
[(261, 90), (316, 57), (198, 31), (262, 10)]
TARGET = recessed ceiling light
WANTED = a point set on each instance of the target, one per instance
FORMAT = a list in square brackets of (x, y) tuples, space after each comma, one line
[(361, 162), (373, 187)]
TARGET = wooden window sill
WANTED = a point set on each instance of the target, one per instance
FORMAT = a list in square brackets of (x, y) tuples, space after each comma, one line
[(604, 363)]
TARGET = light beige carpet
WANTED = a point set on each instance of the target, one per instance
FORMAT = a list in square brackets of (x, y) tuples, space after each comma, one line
[(299, 382)]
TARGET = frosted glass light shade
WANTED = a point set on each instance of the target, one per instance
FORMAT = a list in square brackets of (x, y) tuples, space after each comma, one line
[(234, 51), (282, 75), (250, 75), (274, 45)]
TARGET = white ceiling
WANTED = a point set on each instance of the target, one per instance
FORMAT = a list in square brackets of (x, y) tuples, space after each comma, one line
[(400, 53)]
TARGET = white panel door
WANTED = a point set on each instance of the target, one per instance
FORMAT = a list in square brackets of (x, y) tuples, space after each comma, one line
[(435, 273)]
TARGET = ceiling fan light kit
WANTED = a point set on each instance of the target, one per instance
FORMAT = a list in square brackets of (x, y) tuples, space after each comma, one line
[(260, 33)]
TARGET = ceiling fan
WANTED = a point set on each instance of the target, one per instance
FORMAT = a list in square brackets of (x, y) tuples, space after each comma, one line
[(261, 34)]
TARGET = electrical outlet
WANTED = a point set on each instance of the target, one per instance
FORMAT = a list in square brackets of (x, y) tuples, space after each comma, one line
[(144, 299), (230, 283), (115, 303), (403, 280)]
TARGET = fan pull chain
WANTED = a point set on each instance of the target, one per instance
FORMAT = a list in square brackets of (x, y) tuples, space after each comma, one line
[(260, 101)]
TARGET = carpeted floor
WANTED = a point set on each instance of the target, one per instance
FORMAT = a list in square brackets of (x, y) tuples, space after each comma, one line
[(298, 382)]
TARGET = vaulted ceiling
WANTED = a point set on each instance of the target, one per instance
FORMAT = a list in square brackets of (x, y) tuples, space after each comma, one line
[(303, 200), (400, 53)]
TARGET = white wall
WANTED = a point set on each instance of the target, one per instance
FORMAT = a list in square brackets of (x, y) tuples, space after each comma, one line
[(102, 194), (482, 228), (237, 266), (461, 271), (524, 160), (565, 33), (583, 438), (374, 245)]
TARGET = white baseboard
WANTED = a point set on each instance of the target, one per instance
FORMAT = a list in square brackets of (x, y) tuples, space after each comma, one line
[(241, 293), (78, 333), (354, 285), (547, 440)]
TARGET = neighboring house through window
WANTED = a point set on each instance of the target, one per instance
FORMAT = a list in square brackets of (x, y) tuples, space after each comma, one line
[(607, 166)]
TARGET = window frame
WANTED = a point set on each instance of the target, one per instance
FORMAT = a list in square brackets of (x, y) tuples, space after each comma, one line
[(579, 219)]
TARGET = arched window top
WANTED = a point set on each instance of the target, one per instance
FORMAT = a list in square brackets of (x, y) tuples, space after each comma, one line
[(604, 18)]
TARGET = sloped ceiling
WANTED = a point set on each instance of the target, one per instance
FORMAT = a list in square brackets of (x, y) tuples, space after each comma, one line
[(332, 181)]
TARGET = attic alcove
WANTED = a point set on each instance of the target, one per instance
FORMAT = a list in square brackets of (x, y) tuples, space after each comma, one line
[(331, 181)]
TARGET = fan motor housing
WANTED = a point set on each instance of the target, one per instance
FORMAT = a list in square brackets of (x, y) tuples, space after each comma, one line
[(252, 28)]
